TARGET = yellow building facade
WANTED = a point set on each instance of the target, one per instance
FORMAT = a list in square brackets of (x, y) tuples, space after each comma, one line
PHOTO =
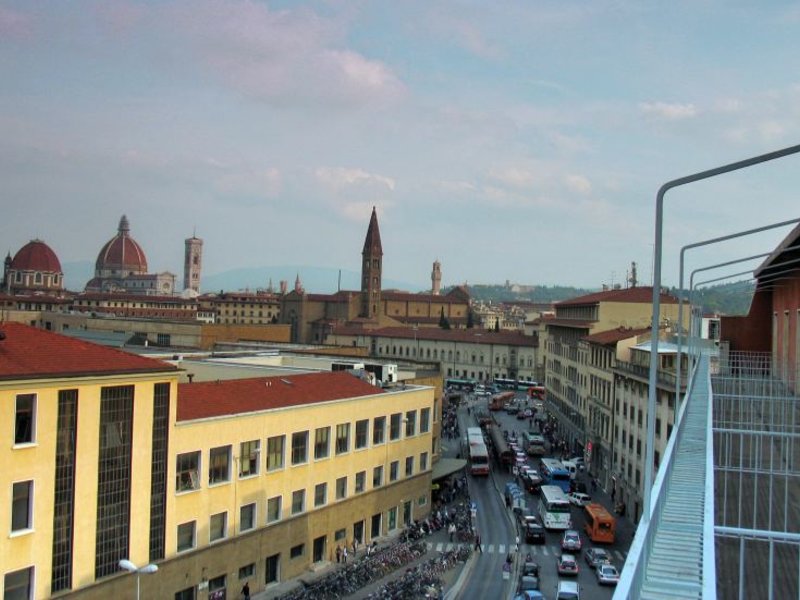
[(106, 457), (78, 440)]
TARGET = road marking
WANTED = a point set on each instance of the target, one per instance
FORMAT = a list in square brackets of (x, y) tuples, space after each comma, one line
[(490, 548), (501, 549)]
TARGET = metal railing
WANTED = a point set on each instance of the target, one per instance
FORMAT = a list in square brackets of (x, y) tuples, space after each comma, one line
[(725, 520)]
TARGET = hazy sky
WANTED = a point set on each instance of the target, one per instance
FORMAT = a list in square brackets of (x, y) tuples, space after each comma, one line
[(519, 140)]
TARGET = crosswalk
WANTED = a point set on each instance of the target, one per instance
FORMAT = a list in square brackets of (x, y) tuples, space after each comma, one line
[(533, 550)]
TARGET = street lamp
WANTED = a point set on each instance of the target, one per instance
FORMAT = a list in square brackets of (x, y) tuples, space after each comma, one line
[(132, 568)]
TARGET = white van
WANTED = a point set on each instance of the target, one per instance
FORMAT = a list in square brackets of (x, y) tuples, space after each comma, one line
[(571, 467), (568, 590)]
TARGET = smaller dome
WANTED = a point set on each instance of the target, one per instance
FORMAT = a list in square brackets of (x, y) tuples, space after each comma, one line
[(36, 256)]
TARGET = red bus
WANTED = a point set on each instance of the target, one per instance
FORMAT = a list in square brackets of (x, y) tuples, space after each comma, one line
[(536, 392)]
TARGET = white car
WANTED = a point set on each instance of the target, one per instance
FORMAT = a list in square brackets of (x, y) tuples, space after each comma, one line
[(579, 498)]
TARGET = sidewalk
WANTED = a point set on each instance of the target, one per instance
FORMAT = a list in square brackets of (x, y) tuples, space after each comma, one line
[(439, 538)]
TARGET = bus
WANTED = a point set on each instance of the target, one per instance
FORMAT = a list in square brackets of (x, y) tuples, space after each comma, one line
[(477, 453), (460, 384), (554, 473), (505, 383), (505, 455), (499, 401), (600, 524), (554, 508), (533, 443), (536, 392)]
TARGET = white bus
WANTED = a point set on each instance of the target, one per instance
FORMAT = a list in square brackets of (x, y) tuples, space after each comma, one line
[(476, 451), (554, 508)]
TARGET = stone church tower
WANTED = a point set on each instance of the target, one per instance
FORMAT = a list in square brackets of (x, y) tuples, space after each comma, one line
[(192, 264), (436, 278), (372, 255)]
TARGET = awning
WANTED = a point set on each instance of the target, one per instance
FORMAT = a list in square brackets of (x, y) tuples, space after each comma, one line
[(447, 466)]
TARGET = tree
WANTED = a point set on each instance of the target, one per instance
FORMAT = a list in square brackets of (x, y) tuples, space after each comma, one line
[(443, 322), (497, 325), (470, 319)]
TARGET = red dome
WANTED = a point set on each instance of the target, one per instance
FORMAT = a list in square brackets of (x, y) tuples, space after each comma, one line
[(36, 256), (122, 253)]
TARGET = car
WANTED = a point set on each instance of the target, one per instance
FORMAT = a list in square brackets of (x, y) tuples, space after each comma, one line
[(521, 458), (579, 498), (532, 529), (596, 556), (511, 409), (571, 541), (579, 462), (530, 595), (578, 486), (528, 582), (568, 590), (566, 564), (529, 567), (607, 575)]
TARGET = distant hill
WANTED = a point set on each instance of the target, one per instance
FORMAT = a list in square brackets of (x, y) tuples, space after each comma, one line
[(728, 299), (315, 280), (523, 293)]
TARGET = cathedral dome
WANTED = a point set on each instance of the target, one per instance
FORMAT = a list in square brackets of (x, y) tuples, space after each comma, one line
[(36, 256), (121, 255)]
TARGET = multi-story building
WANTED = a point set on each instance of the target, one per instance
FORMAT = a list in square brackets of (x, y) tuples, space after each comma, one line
[(85, 427), (242, 308), (602, 352), (567, 358), (254, 479), (463, 353), (631, 389)]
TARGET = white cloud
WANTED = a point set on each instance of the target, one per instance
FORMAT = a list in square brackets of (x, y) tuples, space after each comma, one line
[(578, 183), (337, 178), (666, 110)]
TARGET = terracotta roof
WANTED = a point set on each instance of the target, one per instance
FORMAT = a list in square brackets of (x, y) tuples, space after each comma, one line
[(36, 256), (612, 336), (637, 294), (30, 353), (133, 297), (236, 396), (474, 335), (122, 252), (425, 297)]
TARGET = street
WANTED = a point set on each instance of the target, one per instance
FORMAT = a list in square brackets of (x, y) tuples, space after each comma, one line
[(496, 525)]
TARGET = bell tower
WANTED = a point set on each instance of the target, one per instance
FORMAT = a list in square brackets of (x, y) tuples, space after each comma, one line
[(192, 263), (371, 265), (436, 278)]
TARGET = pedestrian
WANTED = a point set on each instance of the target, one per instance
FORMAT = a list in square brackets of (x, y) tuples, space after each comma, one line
[(355, 546), (344, 555), (246, 590), (517, 544), (338, 553), (478, 546), (451, 530), (613, 493)]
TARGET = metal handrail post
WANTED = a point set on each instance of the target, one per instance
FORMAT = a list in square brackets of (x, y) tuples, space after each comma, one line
[(657, 256)]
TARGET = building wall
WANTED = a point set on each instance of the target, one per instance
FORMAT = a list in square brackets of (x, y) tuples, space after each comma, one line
[(212, 334), (199, 505), (37, 462), (752, 333), (786, 344)]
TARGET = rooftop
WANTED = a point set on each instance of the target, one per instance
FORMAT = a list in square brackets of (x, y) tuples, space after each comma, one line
[(237, 396), (30, 353)]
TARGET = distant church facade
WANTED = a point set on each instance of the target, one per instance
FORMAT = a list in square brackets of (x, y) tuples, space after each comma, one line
[(314, 316)]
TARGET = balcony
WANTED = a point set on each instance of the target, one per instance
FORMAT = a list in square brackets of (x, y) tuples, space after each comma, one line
[(724, 517)]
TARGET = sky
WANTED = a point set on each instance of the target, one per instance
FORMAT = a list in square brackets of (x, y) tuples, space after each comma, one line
[(510, 140)]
